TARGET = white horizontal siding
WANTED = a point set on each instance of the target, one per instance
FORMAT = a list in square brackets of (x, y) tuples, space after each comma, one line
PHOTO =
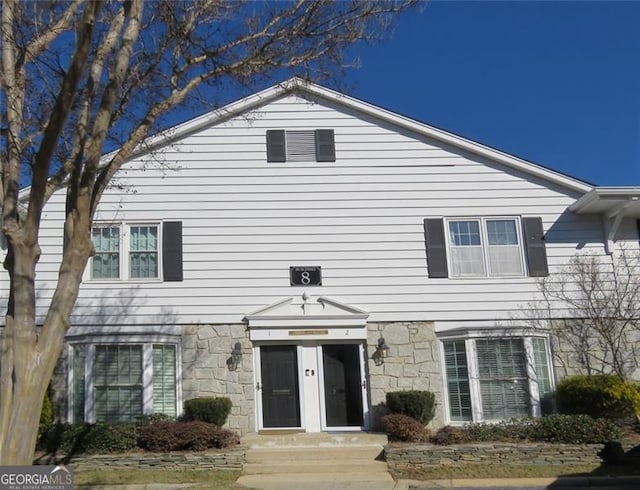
[(246, 221)]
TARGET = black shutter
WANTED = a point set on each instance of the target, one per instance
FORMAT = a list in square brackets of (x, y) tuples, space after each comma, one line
[(436, 247), (325, 146), (535, 247), (276, 151), (172, 250)]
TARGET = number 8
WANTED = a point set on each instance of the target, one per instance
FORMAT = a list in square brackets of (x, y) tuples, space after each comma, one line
[(305, 278)]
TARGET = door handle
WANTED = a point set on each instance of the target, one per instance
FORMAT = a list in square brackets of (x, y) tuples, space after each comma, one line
[(258, 386)]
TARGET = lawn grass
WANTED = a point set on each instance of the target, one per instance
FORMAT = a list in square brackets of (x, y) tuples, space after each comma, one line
[(446, 472), (205, 479)]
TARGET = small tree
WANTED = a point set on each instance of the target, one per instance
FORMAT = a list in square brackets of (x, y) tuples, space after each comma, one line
[(593, 308), (79, 78)]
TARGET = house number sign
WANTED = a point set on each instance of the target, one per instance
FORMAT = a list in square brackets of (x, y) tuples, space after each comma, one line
[(305, 276)]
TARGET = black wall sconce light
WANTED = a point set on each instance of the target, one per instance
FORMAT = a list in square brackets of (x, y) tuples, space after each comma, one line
[(236, 357), (381, 353)]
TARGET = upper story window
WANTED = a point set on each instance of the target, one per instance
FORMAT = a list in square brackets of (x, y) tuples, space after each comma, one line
[(485, 247), (301, 145), (135, 251), (134, 245)]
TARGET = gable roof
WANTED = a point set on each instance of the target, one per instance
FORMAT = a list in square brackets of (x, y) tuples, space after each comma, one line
[(299, 86)]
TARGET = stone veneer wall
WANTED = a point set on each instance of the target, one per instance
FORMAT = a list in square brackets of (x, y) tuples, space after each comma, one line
[(205, 372), (227, 460), (425, 455), (413, 364)]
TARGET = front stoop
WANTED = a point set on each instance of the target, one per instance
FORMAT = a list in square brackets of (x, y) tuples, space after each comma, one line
[(315, 461)]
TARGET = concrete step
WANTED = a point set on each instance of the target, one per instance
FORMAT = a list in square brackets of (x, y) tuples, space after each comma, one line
[(326, 467), (321, 439), (279, 454), (314, 481)]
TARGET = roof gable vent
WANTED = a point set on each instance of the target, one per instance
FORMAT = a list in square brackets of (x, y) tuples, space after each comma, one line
[(301, 146)]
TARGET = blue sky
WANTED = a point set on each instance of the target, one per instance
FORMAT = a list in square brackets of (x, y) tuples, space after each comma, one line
[(557, 83)]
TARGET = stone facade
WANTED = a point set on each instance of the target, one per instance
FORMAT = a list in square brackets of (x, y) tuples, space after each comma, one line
[(206, 350), (413, 363)]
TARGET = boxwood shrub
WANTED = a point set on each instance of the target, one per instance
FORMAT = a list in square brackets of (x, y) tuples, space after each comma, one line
[(421, 405), (603, 395), (208, 409)]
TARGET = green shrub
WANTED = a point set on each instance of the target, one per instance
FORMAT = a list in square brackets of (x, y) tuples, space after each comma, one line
[(503, 431), (208, 409), (185, 436), (401, 427), (573, 429), (91, 439), (566, 429), (599, 396), (421, 405)]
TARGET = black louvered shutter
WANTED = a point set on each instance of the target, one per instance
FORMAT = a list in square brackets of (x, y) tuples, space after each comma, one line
[(535, 247), (172, 250), (436, 247), (325, 146), (276, 147)]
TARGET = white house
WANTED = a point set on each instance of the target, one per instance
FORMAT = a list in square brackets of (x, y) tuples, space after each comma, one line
[(266, 251)]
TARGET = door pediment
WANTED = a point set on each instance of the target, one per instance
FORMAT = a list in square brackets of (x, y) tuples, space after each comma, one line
[(322, 318)]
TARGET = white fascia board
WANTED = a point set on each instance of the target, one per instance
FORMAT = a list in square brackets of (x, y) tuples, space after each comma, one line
[(599, 194)]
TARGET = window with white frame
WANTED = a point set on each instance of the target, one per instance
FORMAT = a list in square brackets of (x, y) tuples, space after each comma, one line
[(495, 378), (125, 251), (485, 247), (118, 382)]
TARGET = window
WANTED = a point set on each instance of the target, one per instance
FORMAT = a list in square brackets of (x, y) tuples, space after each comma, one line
[(125, 251), (306, 145), (106, 261), (495, 378), (143, 252), (485, 247), (121, 382)]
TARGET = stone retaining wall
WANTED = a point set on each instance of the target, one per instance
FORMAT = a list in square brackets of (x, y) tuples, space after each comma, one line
[(424, 455), (208, 460)]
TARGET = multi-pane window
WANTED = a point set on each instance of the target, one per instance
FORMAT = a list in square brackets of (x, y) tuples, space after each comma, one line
[(495, 378), (143, 252), (106, 261), (125, 381), (126, 251), (485, 247)]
